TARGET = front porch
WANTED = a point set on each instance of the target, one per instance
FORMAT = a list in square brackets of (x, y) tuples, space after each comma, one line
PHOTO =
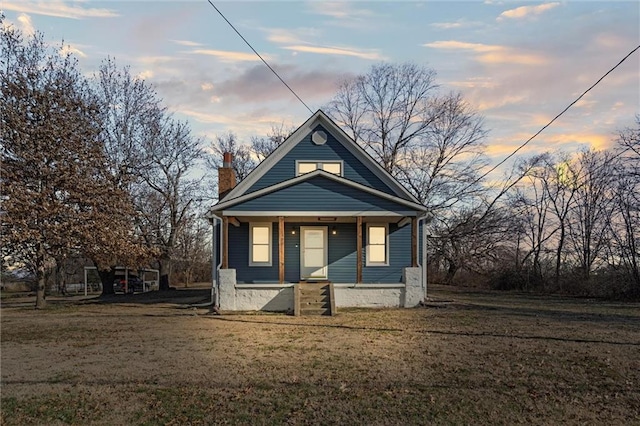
[(372, 249)]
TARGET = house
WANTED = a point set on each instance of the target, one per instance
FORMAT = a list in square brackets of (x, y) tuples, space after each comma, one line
[(319, 209)]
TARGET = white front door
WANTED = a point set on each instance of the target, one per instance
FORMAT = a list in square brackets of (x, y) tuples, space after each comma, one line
[(313, 252)]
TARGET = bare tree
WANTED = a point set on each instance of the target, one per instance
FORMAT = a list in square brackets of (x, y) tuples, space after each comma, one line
[(625, 222), (263, 146), (629, 139), (387, 110), (442, 167), (168, 190), (533, 209), (192, 253), (592, 206), (243, 162), (129, 110), (561, 184)]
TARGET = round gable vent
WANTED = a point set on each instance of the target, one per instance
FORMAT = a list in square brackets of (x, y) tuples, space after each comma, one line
[(319, 137)]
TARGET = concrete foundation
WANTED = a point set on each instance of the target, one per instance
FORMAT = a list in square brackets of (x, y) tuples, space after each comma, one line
[(414, 292), (280, 297)]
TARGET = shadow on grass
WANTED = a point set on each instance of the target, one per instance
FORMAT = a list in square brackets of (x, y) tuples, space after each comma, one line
[(562, 315), (449, 332), (183, 296)]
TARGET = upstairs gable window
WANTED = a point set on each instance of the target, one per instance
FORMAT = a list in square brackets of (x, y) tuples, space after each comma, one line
[(334, 167)]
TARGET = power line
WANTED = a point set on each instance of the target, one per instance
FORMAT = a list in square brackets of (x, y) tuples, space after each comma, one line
[(554, 118), (259, 56)]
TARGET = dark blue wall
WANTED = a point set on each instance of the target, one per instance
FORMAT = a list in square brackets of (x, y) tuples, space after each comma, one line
[(354, 170), (239, 256), (342, 254), (320, 194)]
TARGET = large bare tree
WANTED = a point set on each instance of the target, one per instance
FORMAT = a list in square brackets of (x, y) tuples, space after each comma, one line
[(168, 188), (388, 110), (153, 156), (592, 207), (129, 109)]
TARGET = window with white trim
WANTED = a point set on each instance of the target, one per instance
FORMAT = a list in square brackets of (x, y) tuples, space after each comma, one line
[(334, 167), (260, 244), (377, 244)]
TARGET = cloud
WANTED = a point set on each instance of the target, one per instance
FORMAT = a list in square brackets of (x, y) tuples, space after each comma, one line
[(490, 53), (228, 56), (340, 10), (257, 84), (461, 23), (187, 43), (287, 36), (527, 11), (333, 50), (25, 24), (145, 75), (446, 25), (293, 40), (58, 9)]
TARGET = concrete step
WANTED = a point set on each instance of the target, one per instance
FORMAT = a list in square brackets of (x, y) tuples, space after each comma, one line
[(324, 304), (313, 299), (315, 311)]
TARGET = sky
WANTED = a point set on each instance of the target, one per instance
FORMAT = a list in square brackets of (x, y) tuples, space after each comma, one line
[(517, 64)]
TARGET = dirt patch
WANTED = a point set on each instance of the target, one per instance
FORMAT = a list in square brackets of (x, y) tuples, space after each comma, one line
[(476, 357)]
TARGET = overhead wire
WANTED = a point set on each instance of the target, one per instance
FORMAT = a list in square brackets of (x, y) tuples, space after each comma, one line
[(504, 160), (260, 56), (500, 163)]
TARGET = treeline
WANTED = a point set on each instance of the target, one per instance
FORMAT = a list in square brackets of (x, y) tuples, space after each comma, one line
[(571, 224)]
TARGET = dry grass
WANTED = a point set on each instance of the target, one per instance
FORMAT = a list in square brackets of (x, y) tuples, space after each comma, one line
[(482, 357)]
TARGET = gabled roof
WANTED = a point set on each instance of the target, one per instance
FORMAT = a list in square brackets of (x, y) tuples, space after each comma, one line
[(319, 118), (229, 204)]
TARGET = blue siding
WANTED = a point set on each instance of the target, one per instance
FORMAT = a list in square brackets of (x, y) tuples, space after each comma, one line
[(319, 194), (342, 253), (292, 252), (239, 256), (399, 256), (341, 256), (354, 169)]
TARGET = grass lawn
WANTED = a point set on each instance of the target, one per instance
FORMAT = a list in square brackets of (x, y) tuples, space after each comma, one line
[(471, 357)]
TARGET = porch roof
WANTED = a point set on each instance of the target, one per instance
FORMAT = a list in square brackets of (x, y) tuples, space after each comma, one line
[(318, 193)]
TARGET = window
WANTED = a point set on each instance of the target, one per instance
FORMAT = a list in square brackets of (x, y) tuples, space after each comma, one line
[(260, 244), (334, 167), (306, 167), (377, 245)]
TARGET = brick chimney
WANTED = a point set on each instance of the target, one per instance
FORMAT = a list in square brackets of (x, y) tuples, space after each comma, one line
[(226, 176)]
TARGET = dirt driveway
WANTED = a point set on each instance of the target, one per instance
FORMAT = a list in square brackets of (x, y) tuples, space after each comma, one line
[(468, 357)]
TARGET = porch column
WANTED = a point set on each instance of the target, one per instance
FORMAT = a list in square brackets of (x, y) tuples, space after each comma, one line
[(225, 243), (414, 242), (359, 249), (281, 249)]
